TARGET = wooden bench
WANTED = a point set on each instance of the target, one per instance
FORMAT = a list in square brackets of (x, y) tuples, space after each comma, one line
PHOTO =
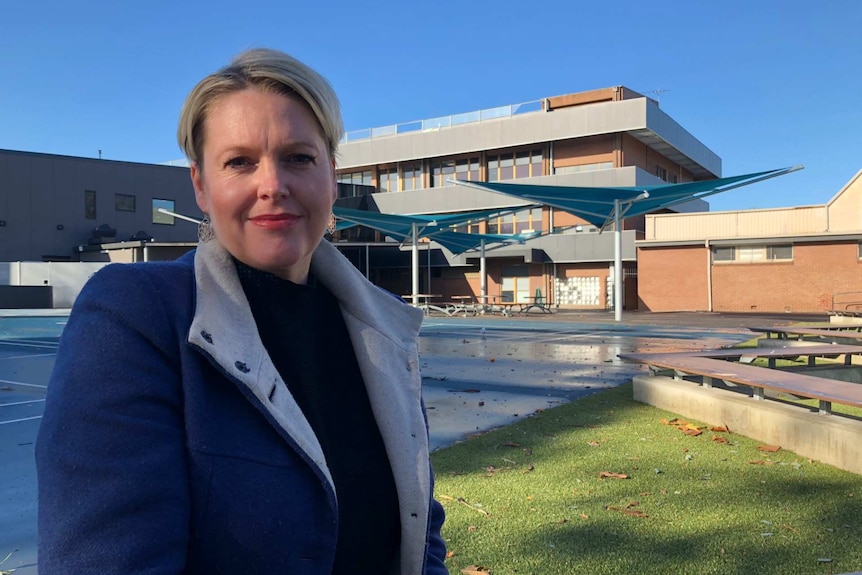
[(825, 391), (746, 355), (847, 332)]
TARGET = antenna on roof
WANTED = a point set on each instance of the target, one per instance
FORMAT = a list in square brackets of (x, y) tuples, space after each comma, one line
[(658, 92)]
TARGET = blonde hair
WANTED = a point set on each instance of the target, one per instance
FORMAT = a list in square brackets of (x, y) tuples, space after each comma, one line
[(269, 71)]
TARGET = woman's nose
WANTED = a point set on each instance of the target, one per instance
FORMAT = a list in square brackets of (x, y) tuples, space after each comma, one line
[(272, 182)]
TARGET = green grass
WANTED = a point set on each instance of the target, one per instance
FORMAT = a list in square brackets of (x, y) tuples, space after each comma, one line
[(527, 498)]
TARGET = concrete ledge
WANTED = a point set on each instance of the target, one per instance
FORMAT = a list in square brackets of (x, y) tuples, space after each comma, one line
[(827, 438)]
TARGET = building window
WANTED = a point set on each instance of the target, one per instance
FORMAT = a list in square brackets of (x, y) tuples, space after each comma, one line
[(519, 222), (512, 166), (90, 204), (749, 254), (441, 170), (161, 217), (516, 284), (661, 173), (387, 179), (753, 254), (124, 203), (362, 178), (723, 254), (467, 169), (783, 252), (411, 177)]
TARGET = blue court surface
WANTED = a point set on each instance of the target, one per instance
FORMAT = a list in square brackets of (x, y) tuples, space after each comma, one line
[(478, 373)]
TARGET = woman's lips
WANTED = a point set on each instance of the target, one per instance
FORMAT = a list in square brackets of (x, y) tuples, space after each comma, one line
[(274, 221)]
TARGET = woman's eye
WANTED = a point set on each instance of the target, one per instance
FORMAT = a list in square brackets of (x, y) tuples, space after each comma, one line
[(301, 159), (238, 162)]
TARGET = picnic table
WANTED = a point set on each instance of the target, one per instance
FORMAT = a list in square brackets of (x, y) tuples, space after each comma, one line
[(835, 334), (713, 365)]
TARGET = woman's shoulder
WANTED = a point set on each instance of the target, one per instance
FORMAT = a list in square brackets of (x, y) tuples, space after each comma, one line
[(140, 285)]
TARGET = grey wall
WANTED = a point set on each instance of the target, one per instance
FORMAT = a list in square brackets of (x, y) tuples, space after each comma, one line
[(39, 192)]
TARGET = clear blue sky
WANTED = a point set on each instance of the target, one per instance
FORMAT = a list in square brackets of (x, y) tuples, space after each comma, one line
[(763, 83)]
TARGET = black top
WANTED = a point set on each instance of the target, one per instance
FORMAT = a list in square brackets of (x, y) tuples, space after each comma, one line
[(303, 331)]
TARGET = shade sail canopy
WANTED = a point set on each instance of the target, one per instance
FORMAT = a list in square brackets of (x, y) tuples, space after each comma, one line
[(596, 205), (434, 226)]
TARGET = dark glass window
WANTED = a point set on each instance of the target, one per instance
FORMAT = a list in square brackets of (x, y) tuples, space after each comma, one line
[(124, 203), (90, 204)]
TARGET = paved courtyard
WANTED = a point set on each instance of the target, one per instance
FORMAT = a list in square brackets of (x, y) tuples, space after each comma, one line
[(478, 373)]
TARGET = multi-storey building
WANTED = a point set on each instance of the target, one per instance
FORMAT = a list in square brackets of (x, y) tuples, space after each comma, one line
[(609, 137)]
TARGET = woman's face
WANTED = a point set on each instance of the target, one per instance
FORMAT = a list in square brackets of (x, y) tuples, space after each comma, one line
[(266, 180)]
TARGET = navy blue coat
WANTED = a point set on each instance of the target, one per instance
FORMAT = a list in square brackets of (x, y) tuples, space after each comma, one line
[(170, 444)]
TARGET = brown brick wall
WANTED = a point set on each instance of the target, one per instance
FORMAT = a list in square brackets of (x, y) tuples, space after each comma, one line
[(672, 279), (806, 284), (675, 279)]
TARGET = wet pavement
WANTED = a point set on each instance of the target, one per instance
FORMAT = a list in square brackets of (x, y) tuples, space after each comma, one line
[(478, 373)]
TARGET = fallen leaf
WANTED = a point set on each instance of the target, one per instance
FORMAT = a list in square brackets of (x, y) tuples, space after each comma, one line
[(768, 448), (760, 462), (693, 432), (610, 475), (584, 516), (450, 554), (593, 443), (634, 512), (471, 528), (719, 429), (475, 570), (719, 439)]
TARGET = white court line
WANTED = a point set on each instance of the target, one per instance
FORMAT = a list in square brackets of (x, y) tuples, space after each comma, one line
[(22, 403), (28, 356), (20, 420), (24, 384), (36, 344)]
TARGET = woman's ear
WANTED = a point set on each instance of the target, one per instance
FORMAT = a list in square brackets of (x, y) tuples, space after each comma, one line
[(198, 185)]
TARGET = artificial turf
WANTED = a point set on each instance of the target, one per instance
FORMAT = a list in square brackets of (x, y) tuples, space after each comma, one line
[(530, 498)]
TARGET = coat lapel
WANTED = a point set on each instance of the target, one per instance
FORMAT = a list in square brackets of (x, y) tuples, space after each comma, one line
[(384, 333)]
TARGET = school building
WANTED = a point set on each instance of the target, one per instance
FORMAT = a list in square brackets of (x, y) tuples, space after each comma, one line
[(609, 137)]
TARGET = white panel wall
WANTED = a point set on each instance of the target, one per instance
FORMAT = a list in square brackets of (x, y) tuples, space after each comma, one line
[(67, 278)]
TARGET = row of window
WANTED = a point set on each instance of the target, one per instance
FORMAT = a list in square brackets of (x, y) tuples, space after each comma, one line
[(128, 203), (409, 176), (751, 254), (663, 174), (518, 222)]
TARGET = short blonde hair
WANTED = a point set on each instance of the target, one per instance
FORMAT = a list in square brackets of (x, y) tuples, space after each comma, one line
[(269, 71)]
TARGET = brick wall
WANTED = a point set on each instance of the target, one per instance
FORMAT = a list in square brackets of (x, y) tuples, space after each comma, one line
[(675, 279), (804, 285), (672, 279)]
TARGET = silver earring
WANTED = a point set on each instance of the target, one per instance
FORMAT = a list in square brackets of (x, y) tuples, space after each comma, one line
[(205, 230), (330, 227)]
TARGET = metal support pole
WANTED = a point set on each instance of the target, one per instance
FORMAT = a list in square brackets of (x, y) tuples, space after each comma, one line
[(415, 265), (483, 277), (618, 263)]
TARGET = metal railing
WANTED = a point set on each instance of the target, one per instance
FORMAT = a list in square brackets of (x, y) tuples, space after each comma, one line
[(442, 122)]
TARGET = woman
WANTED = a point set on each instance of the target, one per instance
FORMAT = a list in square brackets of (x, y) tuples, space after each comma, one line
[(253, 407)]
